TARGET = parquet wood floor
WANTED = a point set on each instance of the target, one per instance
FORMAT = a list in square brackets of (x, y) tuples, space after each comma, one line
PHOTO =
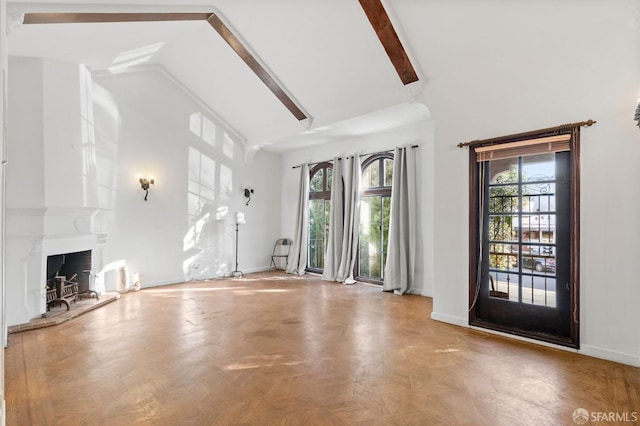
[(272, 349)]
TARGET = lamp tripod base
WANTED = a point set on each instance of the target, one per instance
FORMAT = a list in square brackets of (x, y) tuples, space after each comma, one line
[(237, 274)]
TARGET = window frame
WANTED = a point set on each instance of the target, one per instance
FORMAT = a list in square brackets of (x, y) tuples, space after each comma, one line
[(381, 190), (325, 194)]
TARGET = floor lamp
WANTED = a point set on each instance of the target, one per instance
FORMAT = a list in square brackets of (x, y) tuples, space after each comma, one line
[(239, 221)]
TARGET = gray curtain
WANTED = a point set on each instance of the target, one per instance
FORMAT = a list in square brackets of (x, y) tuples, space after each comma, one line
[(336, 225), (298, 255), (351, 232), (399, 271)]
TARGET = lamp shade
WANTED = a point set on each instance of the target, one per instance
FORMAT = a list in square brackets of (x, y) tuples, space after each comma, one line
[(240, 218)]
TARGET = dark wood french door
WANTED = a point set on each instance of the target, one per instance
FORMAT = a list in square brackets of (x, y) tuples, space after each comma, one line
[(522, 283)]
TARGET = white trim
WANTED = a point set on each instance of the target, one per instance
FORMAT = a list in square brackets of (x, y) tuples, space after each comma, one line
[(258, 269), (420, 292), (523, 339), (117, 7), (610, 355), (450, 319), (182, 280), (585, 350), (25, 211)]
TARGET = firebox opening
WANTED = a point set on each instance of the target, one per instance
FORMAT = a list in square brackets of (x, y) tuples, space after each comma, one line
[(68, 265)]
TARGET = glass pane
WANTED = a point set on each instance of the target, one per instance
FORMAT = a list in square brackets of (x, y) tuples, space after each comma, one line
[(503, 171), (539, 290), (503, 256), (539, 197), (503, 285), (538, 259), (503, 228), (539, 228), (366, 178), (364, 238), (327, 214), (375, 174), (375, 251), (539, 168), (386, 211), (316, 233), (329, 178), (371, 176), (503, 199), (316, 181), (370, 245), (388, 172)]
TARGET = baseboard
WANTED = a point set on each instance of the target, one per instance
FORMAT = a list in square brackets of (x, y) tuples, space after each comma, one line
[(450, 319), (182, 280), (585, 350), (421, 292), (522, 339), (162, 283), (610, 355), (254, 270)]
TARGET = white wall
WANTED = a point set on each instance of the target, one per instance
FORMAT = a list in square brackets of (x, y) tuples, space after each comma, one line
[(73, 188), (3, 126), (24, 189), (51, 157), (144, 124), (418, 134), (515, 66)]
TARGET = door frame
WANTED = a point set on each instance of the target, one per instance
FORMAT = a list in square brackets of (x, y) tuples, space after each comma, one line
[(574, 239)]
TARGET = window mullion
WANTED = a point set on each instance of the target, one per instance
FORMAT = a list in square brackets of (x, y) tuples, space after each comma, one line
[(520, 231)]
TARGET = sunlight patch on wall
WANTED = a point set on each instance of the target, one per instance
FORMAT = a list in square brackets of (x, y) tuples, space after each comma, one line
[(134, 57), (194, 234), (212, 156), (227, 146), (202, 127), (88, 140)]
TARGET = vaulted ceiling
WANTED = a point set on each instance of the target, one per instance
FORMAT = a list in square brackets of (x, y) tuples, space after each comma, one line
[(284, 74)]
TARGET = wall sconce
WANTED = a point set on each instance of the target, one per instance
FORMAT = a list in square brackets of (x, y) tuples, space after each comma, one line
[(247, 195), (145, 183), (637, 117)]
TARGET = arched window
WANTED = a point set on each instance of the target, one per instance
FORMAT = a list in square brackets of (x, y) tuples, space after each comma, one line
[(319, 207), (375, 206)]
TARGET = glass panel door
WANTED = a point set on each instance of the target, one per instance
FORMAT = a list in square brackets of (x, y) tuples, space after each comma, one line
[(525, 245)]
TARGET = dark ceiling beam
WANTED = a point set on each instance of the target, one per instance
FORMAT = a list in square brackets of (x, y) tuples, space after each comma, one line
[(79, 18), (255, 66), (389, 38), (211, 18)]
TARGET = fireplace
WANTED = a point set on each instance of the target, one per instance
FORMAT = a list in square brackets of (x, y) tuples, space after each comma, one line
[(68, 277)]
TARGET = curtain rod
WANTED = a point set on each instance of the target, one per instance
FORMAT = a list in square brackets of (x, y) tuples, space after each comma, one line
[(361, 155), (561, 128)]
